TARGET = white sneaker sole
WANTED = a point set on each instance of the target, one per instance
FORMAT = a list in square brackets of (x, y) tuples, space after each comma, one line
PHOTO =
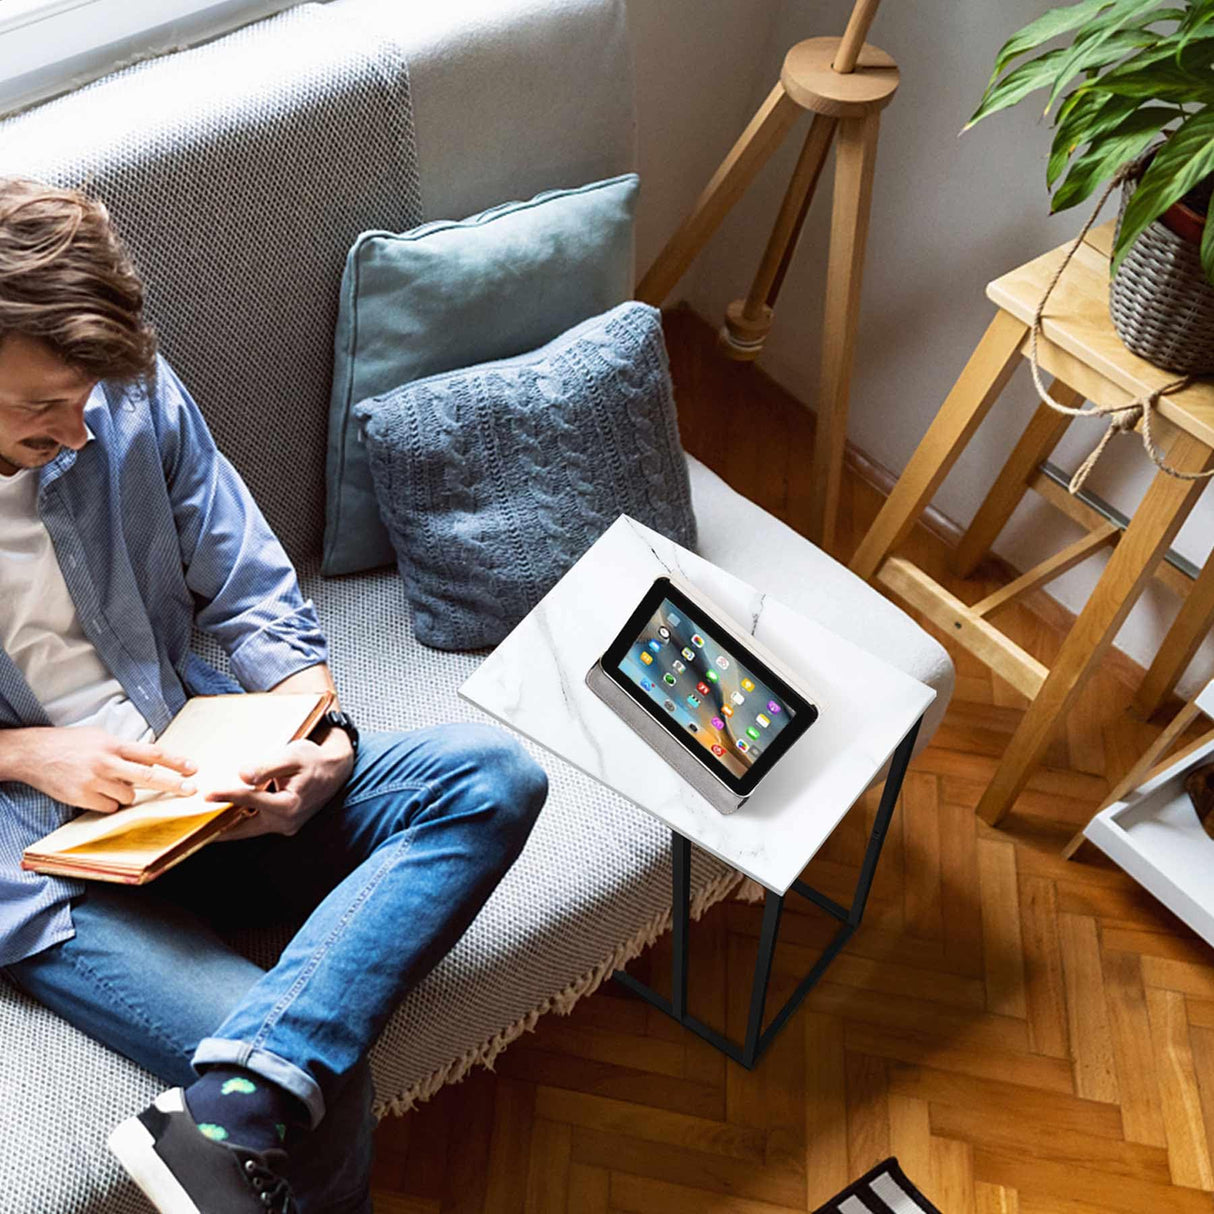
[(135, 1149)]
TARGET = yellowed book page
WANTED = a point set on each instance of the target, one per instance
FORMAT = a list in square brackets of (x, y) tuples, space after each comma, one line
[(221, 734)]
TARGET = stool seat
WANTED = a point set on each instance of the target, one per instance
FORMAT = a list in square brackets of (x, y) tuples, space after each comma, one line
[(810, 79)]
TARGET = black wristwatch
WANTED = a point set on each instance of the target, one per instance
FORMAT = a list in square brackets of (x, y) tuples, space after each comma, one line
[(336, 719)]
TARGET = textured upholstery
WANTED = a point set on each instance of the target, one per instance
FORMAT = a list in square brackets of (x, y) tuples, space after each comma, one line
[(493, 480)]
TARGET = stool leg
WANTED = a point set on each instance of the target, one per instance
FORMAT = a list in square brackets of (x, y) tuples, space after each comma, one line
[(739, 168), (855, 161), (1040, 437), (1138, 773), (1182, 642), (1165, 507), (984, 378)]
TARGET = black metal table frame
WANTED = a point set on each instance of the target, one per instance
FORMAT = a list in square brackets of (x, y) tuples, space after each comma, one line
[(757, 1037)]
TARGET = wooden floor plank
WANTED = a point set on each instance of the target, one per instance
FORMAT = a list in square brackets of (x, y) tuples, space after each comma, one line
[(1090, 1036), (1130, 1027), (1002, 945), (1044, 983), (1188, 1152)]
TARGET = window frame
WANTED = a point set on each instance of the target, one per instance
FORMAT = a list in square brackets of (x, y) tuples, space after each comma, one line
[(49, 47)]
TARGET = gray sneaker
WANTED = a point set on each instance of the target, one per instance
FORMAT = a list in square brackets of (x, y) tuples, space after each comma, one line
[(182, 1171)]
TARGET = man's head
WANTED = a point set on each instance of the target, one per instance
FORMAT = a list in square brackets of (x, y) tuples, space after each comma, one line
[(71, 313)]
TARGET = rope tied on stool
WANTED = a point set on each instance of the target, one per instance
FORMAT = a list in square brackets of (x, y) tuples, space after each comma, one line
[(1122, 418)]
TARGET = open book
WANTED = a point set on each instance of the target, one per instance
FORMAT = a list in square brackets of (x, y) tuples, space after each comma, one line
[(222, 735)]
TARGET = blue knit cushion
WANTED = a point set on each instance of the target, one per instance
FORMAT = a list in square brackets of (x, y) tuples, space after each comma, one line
[(494, 479), (448, 295)]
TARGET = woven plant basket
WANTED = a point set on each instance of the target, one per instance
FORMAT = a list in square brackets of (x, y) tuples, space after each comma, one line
[(1161, 303)]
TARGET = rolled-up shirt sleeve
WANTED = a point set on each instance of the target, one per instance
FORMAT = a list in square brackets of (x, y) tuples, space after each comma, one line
[(243, 582)]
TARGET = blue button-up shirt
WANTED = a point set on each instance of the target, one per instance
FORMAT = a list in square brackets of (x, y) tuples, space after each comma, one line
[(155, 532)]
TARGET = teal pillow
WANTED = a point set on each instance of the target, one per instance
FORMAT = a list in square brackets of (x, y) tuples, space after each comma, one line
[(453, 294)]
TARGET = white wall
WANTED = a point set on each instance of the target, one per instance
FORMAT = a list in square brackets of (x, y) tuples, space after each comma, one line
[(949, 214)]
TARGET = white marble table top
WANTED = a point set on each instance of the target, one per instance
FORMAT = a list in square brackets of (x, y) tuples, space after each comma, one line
[(534, 681)]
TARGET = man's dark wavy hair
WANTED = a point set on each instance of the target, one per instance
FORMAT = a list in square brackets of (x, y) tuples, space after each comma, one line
[(67, 279)]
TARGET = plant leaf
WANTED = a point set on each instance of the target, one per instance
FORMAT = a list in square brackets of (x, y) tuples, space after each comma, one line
[(1087, 117), (1099, 44), (1186, 159), (1048, 25), (1123, 143), (1018, 83), (1099, 56), (1207, 251)]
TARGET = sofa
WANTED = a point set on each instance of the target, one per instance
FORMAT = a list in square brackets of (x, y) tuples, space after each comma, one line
[(501, 101)]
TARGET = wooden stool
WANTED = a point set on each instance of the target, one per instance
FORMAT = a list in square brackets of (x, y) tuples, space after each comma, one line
[(845, 83), (1082, 351)]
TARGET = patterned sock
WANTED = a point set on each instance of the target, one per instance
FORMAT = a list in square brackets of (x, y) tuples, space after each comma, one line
[(231, 1104)]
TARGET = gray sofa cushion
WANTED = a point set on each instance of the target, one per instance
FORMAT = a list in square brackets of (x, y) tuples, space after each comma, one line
[(493, 480)]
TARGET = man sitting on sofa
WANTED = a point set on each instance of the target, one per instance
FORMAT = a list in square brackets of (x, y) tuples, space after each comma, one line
[(121, 527)]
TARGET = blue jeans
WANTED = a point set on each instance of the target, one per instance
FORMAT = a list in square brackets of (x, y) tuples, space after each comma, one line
[(383, 881)]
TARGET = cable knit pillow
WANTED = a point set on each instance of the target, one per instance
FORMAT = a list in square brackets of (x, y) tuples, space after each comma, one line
[(494, 479)]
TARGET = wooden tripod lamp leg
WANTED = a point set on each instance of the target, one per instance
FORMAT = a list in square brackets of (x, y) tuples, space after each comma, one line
[(855, 161), (739, 168)]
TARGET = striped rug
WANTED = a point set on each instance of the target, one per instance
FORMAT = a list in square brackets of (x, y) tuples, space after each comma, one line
[(884, 1190)]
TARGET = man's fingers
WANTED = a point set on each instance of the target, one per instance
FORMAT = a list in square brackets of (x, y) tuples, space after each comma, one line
[(149, 755), (251, 798), (162, 780), (114, 790), (98, 803), (283, 765)]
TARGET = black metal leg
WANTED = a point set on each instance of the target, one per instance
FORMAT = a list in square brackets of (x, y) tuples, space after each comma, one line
[(758, 1039), (680, 867), (773, 905)]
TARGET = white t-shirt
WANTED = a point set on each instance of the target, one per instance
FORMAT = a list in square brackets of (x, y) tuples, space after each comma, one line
[(39, 627)]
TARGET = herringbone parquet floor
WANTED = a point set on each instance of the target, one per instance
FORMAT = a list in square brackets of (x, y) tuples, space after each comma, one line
[(1025, 1034)]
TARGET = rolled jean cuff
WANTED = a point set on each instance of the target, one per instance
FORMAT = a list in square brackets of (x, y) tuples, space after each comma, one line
[(218, 1051)]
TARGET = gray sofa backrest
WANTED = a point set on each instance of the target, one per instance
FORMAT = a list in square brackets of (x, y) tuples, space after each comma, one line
[(239, 173)]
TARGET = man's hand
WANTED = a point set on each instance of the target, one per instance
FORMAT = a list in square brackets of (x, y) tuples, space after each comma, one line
[(90, 768), (289, 789)]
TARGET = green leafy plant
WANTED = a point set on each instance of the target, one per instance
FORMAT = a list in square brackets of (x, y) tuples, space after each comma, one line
[(1134, 71)]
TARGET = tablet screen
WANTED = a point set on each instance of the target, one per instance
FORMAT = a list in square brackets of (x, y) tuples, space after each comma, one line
[(722, 704)]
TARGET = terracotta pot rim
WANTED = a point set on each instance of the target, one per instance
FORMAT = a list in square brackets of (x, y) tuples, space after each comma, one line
[(1187, 223)]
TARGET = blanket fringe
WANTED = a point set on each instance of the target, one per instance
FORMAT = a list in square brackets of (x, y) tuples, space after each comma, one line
[(563, 1002)]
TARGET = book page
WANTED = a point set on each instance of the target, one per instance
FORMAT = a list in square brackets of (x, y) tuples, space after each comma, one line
[(222, 735)]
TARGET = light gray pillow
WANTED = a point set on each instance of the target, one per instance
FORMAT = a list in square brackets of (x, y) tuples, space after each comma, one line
[(493, 480)]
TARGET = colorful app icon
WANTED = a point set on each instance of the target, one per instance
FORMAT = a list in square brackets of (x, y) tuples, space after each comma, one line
[(677, 666), (711, 676), (693, 727), (697, 640), (655, 646), (688, 654), (693, 700), (647, 658), (647, 684), (668, 705), (675, 620), (743, 745), (738, 698), (754, 733), (702, 688), (717, 750), (717, 723), (722, 661), (748, 685), (664, 633), (772, 706), (669, 680), (763, 720), (726, 710)]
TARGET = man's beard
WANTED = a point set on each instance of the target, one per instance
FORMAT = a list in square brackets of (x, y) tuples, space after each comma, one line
[(33, 453)]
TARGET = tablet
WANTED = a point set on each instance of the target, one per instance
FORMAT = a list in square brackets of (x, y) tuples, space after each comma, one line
[(702, 682)]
